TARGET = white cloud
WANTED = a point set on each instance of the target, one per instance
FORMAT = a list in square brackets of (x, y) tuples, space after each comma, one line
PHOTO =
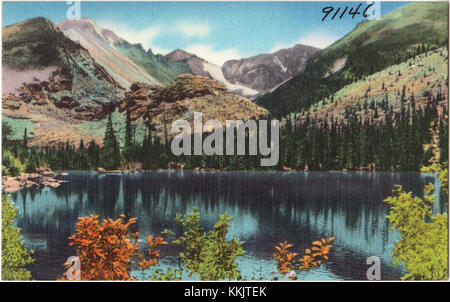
[(217, 57), (144, 36), (190, 29), (320, 39)]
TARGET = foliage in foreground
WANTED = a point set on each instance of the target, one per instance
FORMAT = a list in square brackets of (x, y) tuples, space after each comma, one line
[(423, 247), (208, 254), (15, 257), (106, 249), (442, 171), (314, 257)]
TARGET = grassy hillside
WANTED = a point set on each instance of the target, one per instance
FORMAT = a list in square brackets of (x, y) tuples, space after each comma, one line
[(370, 47), (50, 132), (422, 76), (18, 126), (96, 129), (158, 66)]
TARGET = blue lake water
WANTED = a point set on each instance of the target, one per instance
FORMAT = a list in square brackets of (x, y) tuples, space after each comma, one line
[(267, 208)]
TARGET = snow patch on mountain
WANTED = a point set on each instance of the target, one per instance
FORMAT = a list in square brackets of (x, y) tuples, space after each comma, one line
[(216, 73)]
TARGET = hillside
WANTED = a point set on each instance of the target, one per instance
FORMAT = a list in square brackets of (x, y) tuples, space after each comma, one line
[(373, 96), (151, 105), (160, 106), (372, 46)]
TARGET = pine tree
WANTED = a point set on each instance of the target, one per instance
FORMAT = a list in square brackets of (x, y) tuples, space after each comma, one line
[(81, 145), (25, 139), (6, 132), (443, 140), (110, 154), (129, 146), (93, 155)]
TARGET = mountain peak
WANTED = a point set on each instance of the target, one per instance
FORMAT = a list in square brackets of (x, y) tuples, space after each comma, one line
[(179, 55), (87, 25), (265, 71), (33, 24), (33, 43), (299, 45), (82, 22), (35, 21)]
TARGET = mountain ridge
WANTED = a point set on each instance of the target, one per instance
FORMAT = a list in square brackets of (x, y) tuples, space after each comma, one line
[(101, 44), (263, 72)]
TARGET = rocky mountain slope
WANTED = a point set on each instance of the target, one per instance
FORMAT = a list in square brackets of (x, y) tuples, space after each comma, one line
[(369, 48), (125, 62), (264, 72), (45, 71), (160, 106)]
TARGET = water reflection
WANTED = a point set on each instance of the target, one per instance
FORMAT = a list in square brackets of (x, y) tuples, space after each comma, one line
[(267, 207)]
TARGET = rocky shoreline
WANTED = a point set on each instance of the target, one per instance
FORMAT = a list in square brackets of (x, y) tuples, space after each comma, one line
[(44, 178)]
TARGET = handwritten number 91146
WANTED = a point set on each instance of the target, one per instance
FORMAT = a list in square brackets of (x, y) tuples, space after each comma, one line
[(330, 10)]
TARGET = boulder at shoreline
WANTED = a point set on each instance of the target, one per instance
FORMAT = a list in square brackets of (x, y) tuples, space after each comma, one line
[(44, 178)]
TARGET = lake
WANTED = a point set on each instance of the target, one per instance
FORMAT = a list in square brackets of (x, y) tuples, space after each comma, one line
[(267, 208)]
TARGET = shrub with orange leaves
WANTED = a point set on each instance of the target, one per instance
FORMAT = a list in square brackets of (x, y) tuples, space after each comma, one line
[(154, 254), (284, 257), (106, 249), (313, 257), (318, 254)]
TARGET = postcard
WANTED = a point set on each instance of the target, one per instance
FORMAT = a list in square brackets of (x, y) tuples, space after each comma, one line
[(224, 141)]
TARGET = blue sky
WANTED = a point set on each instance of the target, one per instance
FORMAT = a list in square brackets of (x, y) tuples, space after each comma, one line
[(216, 31)]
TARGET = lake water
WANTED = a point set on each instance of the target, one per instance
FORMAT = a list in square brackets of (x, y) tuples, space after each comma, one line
[(267, 207)]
